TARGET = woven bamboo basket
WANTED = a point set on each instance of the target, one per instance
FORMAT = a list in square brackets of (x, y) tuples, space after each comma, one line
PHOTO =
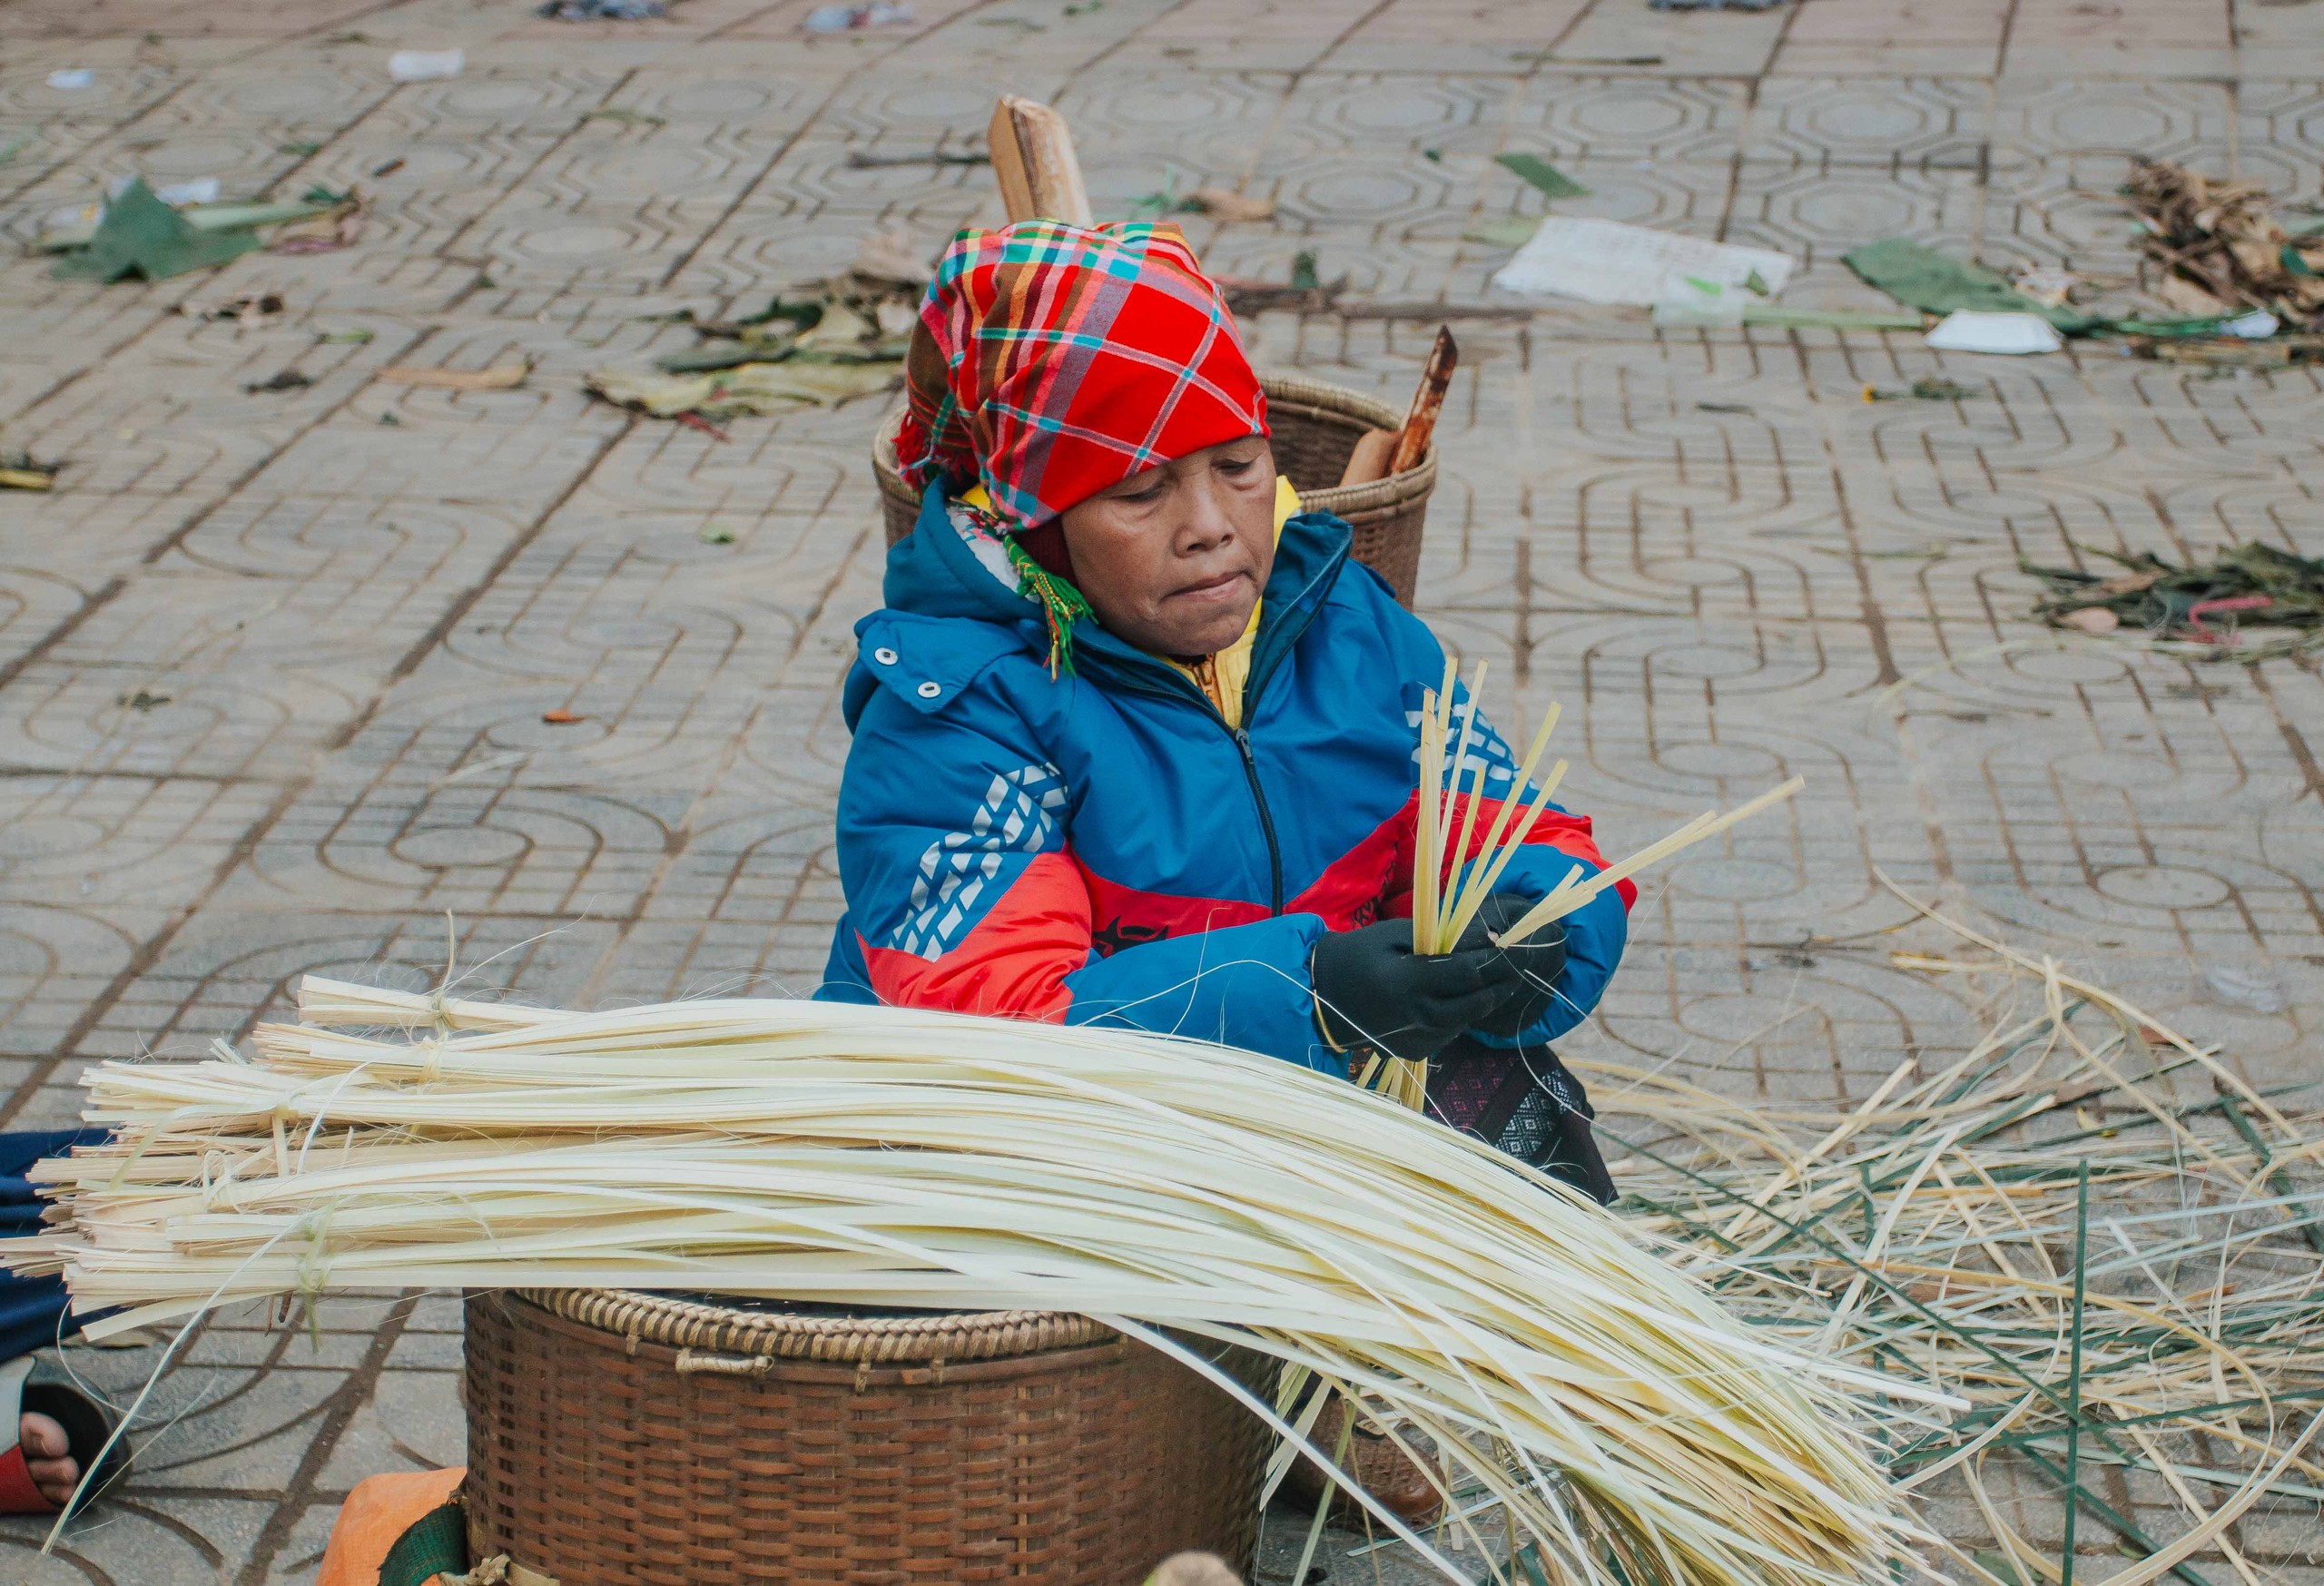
[(619, 1439), (1315, 426)]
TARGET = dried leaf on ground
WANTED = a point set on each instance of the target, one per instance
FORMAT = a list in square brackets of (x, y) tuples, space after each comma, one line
[(1226, 204), (337, 227), (749, 387), (250, 311), (501, 376), (891, 256), (1504, 230)]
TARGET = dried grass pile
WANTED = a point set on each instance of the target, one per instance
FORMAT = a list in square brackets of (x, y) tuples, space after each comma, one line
[(2088, 1226), (1633, 1430)]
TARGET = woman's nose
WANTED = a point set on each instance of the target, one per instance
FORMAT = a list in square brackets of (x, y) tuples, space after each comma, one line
[(1208, 522)]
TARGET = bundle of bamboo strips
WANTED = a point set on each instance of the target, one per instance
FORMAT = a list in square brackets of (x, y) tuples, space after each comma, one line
[(2087, 1226), (884, 1158), (1451, 880)]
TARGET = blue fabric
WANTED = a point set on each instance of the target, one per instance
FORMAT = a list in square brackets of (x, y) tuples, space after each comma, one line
[(970, 764), (31, 1309)]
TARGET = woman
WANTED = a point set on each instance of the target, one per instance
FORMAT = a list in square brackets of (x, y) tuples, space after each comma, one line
[(1135, 739)]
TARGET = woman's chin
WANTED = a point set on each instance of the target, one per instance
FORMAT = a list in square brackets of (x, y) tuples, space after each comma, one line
[(1208, 635)]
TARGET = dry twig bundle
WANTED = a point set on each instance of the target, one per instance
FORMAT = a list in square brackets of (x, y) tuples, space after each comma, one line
[(2087, 1226), (2220, 247), (884, 1158)]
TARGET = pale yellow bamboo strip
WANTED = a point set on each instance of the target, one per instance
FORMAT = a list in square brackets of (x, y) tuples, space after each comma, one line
[(1504, 851), (1566, 900), (1458, 856), (1473, 897), (1427, 842)]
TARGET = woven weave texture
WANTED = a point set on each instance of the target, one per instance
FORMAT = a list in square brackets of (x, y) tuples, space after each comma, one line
[(594, 1457), (1316, 426)]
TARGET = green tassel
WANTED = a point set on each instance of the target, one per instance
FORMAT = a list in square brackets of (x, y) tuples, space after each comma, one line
[(1061, 604)]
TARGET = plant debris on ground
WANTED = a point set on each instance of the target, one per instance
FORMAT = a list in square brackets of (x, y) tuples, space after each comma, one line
[(137, 234), (19, 470), (2214, 245), (1306, 291), (1551, 182), (2087, 1226), (600, 10), (1221, 203), (2204, 602), (1927, 389), (819, 346), (1916, 274), (858, 159)]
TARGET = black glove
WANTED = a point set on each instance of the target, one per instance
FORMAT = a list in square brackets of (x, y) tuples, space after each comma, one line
[(1372, 990), (1538, 961)]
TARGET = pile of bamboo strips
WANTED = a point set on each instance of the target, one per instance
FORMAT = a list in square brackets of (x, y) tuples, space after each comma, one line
[(884, 1158), (2088, 1226)]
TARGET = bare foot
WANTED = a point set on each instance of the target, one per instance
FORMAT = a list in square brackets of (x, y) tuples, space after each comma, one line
[(49, 1458)]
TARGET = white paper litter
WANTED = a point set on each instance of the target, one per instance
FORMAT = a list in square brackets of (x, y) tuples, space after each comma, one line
[(1973, 330), (69, 79), (2256, 326), (1606, 261), (422, 65), (176, 194)]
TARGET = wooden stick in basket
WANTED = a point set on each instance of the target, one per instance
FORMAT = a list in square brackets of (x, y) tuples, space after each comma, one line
[(1033, 159), (1420, 424), (1383, 452)]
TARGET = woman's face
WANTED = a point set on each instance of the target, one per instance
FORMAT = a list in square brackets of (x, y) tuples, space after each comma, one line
[(1173, 560)]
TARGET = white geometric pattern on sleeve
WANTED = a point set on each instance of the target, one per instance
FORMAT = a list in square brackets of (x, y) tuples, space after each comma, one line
[(1489, 755), (1018, 817)]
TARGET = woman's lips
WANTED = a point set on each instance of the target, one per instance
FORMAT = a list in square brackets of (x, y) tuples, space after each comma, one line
[(1210, 589)]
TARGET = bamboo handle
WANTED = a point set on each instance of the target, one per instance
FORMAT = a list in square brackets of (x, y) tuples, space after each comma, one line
[(1034, 161), (1420, 424)]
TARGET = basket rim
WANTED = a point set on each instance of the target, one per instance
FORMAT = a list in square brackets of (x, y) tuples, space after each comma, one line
[(1283, 389), (683, 1324)]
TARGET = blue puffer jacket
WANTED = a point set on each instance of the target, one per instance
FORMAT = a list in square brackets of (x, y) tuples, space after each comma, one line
[(1104, 848)]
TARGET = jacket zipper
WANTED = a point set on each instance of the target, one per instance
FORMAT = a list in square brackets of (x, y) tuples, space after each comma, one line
[(1180, 689), (1266, 818)]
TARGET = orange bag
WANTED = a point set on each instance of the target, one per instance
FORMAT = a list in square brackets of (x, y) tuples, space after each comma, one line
[(376, 1512)]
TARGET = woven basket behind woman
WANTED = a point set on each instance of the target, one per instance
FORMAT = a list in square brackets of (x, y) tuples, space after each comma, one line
[(1315, 426), (621, 1439)]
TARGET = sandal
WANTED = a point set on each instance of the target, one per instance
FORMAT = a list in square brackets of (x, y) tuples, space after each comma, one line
[(86, 1426)]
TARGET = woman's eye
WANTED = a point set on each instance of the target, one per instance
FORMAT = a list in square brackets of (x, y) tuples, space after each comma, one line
[(1230, 467)]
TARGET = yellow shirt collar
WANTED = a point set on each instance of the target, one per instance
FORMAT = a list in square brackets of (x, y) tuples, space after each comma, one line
[(1222, 676)]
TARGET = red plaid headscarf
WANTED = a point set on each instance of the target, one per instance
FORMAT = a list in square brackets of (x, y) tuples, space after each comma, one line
[(1054, 361)]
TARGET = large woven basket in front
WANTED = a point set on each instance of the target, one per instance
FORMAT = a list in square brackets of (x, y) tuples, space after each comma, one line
[(620, 1439), (1315, 426)]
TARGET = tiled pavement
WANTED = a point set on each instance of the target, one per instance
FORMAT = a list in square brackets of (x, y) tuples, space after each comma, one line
[(355, 601)]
